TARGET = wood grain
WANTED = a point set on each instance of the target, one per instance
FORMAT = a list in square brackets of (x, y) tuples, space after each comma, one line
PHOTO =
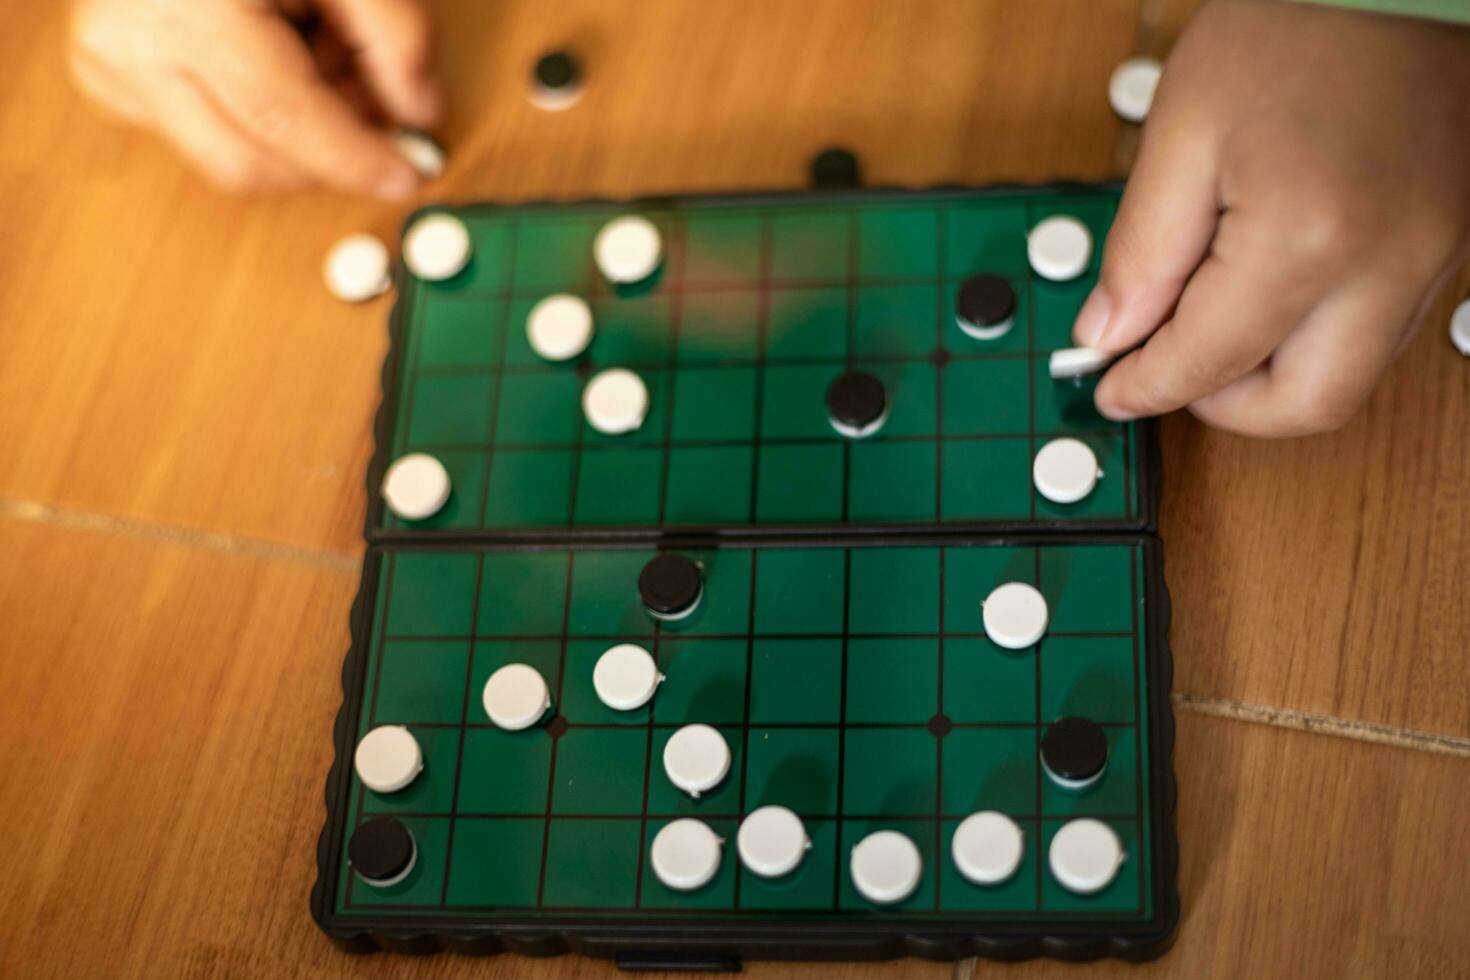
[(166, 758), (168, 356)]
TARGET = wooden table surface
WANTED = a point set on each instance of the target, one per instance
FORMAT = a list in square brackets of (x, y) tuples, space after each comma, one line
[(184, 428)]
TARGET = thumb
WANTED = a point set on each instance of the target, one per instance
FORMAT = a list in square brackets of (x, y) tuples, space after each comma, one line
[(1163, 228), (392, 41)]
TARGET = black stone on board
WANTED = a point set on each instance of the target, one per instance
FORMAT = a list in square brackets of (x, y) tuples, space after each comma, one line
[(1074, 748), (669, 584), (380, 849), (985, 301), (856, 400)]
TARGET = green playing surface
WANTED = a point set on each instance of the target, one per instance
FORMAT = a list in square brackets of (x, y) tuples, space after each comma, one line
[(759, 305), (854, 685)]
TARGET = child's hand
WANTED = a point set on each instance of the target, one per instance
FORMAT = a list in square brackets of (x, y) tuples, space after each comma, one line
[(1302, 191), (233, 85)]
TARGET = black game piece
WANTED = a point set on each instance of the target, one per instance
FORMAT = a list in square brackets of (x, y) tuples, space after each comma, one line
[(557, 71), (985, 304), (1074, 749), (670, 586), (835, 169), (856, 403), (381, 850)]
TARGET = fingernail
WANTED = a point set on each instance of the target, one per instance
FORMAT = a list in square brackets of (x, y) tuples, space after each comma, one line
[(1115, 414), (398, 186), (1092, 320)]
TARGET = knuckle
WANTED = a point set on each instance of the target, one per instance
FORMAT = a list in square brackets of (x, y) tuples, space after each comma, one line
[(1333, 229), (271, 121)]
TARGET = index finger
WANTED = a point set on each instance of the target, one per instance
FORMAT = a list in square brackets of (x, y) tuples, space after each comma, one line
[(266, 81)]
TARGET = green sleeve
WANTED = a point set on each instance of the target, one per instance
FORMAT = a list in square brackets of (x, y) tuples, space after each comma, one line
[(1454, 11)]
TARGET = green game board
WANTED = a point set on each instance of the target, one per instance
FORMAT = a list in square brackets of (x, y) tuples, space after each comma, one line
[(760, 304), (838, 646)]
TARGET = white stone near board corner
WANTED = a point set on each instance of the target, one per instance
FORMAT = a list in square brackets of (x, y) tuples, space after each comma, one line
[(516, 697), (1059, 248), (1015, 615), (628, 249), (685, 854), (886, 867), (416, 486), (388, 759), (772, 841), (356, 268), (436, 247), (696, 759), (1085, 856), (1065, 470)]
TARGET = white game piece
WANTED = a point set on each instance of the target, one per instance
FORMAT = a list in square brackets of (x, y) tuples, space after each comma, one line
[(356, 268), (559, 327), (625, 677), (516, 697), (1085, 855), (696, 759), (1015, 615), (987, 847), (628, 249), (1077, 362), (886, 867), (615, 401), (420, 150), (1065, 470), (1460, 328), (685, 854), (388, 758), (1131, 87), (1059, 248), (772, 841), (416, 486), (436, 247)]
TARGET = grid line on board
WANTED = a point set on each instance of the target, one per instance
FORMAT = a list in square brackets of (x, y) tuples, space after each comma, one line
[(561, 677), (762, 334), (513, 235), (464, 717), (1040, 777), (677, 259), (745, 711), (842, 726), (854, 248)]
